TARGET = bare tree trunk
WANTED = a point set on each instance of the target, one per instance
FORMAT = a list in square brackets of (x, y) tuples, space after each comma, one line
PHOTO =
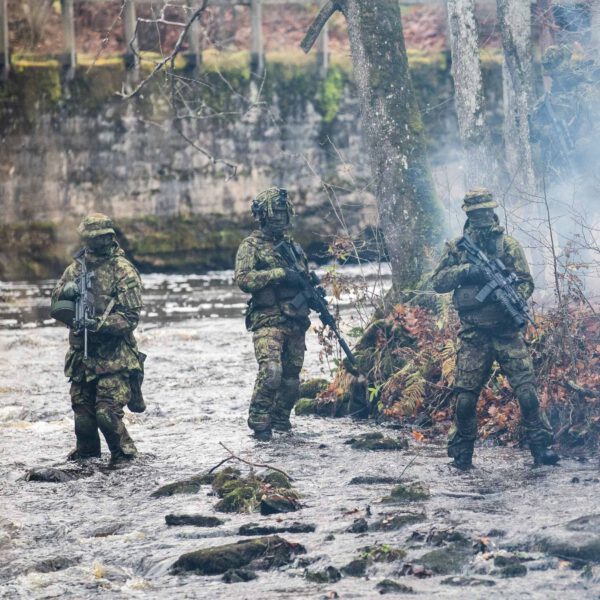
[(409, 212), (480, 166), (514, 19), (595, 30)]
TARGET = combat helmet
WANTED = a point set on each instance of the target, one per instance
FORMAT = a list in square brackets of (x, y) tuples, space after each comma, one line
[(94, 225), (554, 57), (478, 198), (268, 202)]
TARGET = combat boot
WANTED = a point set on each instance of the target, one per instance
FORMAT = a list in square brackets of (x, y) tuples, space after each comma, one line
[(542, 455), (461, 450), (120, 458), (263, 435)]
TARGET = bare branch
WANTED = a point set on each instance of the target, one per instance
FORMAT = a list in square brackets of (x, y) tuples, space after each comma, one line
[(253, 464)]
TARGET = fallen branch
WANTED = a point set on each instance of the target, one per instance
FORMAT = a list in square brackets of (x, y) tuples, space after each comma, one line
[(249, 463), (571, 385)]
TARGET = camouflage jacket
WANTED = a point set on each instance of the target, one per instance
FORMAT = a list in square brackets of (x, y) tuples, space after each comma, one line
[(453, 264), (112, 348), (260, 271)]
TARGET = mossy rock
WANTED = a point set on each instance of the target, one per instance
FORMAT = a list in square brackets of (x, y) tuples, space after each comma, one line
[(279, 503), (224, 477), (241, 496), (448, 560), (185, 486), (377, 441), (251, 529), (328, 575), (356, 568), (271, 551), (195, 520), (276, 480), (382, 553), (309, 389), (412, 492), (397, 521), (239, 576)]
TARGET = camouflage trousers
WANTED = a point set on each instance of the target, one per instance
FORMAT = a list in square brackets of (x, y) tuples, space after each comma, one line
[(477, 351), (279, 352), (98, 404)]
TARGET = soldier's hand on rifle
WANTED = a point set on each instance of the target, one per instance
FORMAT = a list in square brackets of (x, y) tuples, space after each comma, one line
[(473, 275), (70, 291), (293, 278)]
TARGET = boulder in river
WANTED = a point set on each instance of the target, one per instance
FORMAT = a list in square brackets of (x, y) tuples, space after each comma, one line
[(359, 526), (356, 568), (382, 553), (578, 540), (195, 520), (389, 586), (328, 575), (395, 521), (447, 560), (184, 486), (458, 581), (239, 575), (271, 504), (377, 441), (256, 529), (270, 551), (408, 492), (55, 475)]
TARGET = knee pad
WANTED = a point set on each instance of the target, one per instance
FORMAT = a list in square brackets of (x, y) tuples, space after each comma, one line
[(271, 375), (528, 398), (466, 404)]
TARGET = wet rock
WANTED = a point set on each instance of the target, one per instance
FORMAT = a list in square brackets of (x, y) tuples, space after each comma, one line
[(195, 520), (108, 530), (278, 503), (276, 480), (444, 561), (514, 570), (356, 568), (359, 526), (412, 492), (271, 551), (468, 582), (239, 575), (389, 586), (312, 387), (397, 521), (500, 533), (377, 441), (437, 537), (373, 480), (58, 563), (241, 497), (255, 529), (418, 571), (382, 553), (328, 575), (185, 486), (53, 475), (306, 406), (330, 537), (577, 540)]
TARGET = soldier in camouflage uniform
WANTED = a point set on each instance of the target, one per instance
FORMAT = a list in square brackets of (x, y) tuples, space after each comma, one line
[(488, 334), (101, 385), (278, 326)]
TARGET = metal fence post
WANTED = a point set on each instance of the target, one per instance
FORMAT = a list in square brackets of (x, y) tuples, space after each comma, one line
[(257, 59), (68, 19), (4, 49)]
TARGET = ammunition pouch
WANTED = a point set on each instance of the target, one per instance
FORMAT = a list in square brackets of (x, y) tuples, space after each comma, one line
[(465, 298), (136, 378), (265, 298), (63, 311)]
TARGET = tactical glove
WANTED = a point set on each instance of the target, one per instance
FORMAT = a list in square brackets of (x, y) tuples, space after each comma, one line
[(293, 278), (69, 291), (473, 275)]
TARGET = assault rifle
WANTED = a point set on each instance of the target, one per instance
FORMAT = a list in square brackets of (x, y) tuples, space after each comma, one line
[(313, 294), (85, 309), (500, 283)]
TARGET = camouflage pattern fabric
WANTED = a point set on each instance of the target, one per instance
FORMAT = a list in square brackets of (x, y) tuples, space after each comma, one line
[(487, 335), (100, 383), (279, 329)]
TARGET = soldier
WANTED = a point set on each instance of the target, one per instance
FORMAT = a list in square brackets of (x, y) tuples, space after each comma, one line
[(488, 334), (278, 325), (103, 383)]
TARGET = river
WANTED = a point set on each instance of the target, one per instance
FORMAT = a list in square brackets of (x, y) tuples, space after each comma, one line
[(104, 536)]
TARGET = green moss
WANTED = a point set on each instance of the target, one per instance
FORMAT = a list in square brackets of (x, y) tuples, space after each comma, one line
[(331, 93), (382, 553)]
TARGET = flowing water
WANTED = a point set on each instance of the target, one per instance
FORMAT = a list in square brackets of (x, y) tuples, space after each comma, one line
[(104, 534)]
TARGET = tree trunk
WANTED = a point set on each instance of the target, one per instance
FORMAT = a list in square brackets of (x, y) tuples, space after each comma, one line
[(514, 20), (595, 30), (480, 166), (409, 212)]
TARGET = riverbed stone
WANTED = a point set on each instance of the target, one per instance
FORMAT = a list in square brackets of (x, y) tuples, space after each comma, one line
[(55, 475), (329, 575), (251, 529), (389, 586), (56, 563), (395, 521), (269, 552), (578, 540), (312, 387), (276, 479), (376, 441), (239, 575), (278, 503), (195, 520), (457, 581), (356, 568), (408, 492), (382, 553), (191, 485), (447, 560), (359, 526), (374, 480)]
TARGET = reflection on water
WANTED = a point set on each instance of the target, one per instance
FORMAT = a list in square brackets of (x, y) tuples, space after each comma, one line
[(166, 297)]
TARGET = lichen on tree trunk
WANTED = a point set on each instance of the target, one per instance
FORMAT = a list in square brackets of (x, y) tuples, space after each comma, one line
[(409, 212), (480, 165)]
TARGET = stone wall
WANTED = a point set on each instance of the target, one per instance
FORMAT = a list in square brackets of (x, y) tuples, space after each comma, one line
[(70, 148)]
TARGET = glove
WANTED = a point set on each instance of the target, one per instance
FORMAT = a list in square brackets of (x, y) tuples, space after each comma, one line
[(473, 275), (90, 324), (70, 291), (293, 278)]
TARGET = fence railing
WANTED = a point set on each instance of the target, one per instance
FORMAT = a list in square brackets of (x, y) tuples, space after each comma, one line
[(69, 54)]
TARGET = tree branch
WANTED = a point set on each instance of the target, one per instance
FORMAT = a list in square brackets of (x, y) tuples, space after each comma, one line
[(315, 29), (251, 464)]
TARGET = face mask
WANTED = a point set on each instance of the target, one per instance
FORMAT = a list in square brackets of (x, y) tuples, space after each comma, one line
[(101, 244), (482, 218), (280, 219)]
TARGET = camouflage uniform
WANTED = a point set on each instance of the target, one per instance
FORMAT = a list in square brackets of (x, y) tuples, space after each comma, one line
[(101, 384), (488, 334), (278, 327)]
